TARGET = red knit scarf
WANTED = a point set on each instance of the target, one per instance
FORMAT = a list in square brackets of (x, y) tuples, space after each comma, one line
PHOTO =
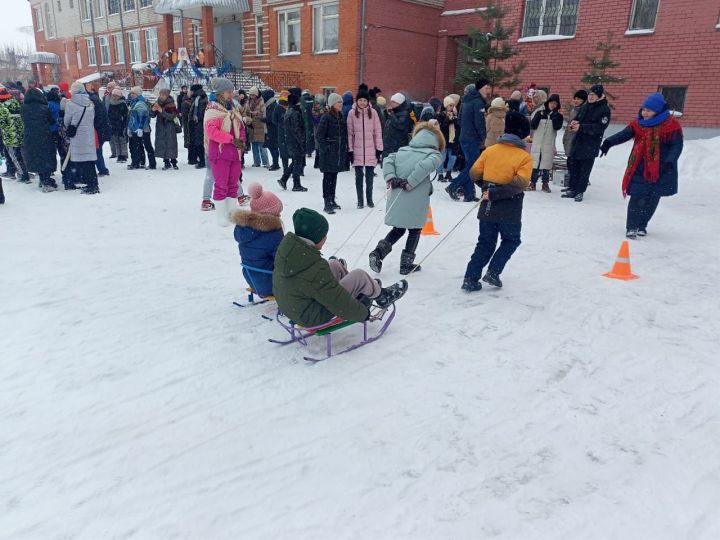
[(646, 148)]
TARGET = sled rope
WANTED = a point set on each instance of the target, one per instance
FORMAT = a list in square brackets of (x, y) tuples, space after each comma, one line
[(352, 233)]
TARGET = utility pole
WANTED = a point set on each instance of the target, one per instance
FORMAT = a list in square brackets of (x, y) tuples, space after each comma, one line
[(122, 37)]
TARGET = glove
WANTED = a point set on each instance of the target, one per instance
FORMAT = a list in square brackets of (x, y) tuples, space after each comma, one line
[(378, 154), (351, 155), (139, 132), (239, 144), (604, 148), (398, 183)]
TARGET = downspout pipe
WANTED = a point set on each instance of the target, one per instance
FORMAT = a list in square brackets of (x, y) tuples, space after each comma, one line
[(362, 42)]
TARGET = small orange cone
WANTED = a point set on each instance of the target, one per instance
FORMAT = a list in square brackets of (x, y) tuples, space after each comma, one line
[(621, 269), (429, 228)]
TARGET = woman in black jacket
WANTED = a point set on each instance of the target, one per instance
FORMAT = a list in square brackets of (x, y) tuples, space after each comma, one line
[(294, 141), (332, 141), (118, 116), (40, 147)]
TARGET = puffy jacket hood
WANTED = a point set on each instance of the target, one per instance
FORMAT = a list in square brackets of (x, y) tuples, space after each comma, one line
[(256, 220), (81, 99), (295, 256), (427, 135)]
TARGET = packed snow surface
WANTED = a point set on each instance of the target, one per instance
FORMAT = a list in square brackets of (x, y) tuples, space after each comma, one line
[(136, 402)]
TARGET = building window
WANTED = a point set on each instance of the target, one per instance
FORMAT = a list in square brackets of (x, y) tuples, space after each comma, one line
[(151, 44), (675, 96), (49, 23), (177, 24), (134, 45), (643, 15), (196, 37), (129, 5), (113, 7), (104, 50), (289, 31), (259, 35), (38, 20), (92, 55), (89, 7), (72, 5), (326, 19), (59, 5), (145, 4), (550, 18), (119, 48)]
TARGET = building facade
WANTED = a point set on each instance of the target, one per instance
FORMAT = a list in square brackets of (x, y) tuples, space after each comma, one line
[(398, 45)]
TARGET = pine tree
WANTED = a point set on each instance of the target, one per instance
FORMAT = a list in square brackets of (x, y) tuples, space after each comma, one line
[(485, 50), (600, 64)]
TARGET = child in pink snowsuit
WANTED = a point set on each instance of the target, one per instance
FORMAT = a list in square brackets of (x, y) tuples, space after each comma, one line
[(225, 140)]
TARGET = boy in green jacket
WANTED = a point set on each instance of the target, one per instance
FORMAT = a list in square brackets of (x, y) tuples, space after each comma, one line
[(310, 290)]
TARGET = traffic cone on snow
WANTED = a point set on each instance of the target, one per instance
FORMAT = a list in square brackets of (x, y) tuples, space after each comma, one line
[(429, 228), (621, 269)]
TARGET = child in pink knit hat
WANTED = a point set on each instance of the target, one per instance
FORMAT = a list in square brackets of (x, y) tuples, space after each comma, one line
[(258, 233)]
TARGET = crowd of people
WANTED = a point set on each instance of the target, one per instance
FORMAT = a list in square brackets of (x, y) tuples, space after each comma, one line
[(481, 136)]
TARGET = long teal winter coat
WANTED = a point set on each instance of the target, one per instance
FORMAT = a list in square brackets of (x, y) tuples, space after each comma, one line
[(415, 163)]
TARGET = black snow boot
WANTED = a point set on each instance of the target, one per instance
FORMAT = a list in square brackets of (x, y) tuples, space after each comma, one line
[(283, 182), (297, 186), (391, 294), (569, 194), (471, 285), (329, 209), (335, 205), (2, 193), (493, 279), (406, 263), (378, 254)]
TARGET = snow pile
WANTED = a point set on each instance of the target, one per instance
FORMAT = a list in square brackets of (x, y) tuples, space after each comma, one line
[(136, 402)]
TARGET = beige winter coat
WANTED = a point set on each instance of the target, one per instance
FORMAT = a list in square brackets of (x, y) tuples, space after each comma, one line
[(495, 124), (256, 111)]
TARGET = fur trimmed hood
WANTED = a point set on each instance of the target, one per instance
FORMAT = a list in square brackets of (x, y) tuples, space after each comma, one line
[(433, 128), (257, 221)]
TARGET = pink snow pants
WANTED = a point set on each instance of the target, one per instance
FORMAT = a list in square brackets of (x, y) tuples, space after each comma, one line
[(226, 173)]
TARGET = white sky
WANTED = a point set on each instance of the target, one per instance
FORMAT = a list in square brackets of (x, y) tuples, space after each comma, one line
[(16, 14)]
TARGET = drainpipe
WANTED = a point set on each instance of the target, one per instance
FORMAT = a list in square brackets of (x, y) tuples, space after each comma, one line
[(362, 41), (94, 38), (122, 39), (182, 29)]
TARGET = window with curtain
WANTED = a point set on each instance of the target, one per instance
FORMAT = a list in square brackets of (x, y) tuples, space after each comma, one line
[(550, 18), (196, 37), (92, 55), (134, 46), (113, 7), (104, 50), (177, 24), (129, 5), (326, 19), (119, 48), (38, 20), (259, 35), (289, 31), (151, 44), (643, 15)]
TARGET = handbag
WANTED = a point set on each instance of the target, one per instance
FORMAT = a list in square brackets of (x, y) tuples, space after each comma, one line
[(71, 130), (178, 125)]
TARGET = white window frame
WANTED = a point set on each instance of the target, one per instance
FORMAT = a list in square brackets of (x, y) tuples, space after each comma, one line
[(177, 24), (90, 45), (196, 41), (555, 36), (144, 4), (97, 9), (104, 50), (639, 31), (283, 48), (115, 3), (50, 31), (39, 26), (259, 27), (133, 58), (126, 9), (153, 54), (321, 31), (119, 41)]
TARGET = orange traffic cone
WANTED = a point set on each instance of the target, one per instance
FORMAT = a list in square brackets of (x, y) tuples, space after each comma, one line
[(621, 269), (429, 228)]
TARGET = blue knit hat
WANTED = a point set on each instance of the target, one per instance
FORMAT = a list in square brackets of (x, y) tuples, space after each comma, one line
[(655, 102)]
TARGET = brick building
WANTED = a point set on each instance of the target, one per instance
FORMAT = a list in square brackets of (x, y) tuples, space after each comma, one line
[(399, 45)]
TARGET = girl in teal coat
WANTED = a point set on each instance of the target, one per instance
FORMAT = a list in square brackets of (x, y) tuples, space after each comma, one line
[(408, 174)]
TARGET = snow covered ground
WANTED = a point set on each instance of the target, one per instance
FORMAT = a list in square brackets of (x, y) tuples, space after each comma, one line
[(136, 402)]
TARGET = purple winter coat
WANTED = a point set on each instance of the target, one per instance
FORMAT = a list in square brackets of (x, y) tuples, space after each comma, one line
[(364, 136)]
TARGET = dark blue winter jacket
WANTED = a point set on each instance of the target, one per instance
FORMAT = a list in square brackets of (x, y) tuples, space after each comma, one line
[(472, 119), (258, 237), (347, 98), (55, 111)]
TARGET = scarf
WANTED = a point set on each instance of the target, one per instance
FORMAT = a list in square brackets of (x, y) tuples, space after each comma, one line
[(655, 120), (451, 126), (646, 149), (232, 123), (514, 140)]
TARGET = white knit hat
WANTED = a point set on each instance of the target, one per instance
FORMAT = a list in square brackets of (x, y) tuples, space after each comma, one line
[(498, 103), (333, 99), (398, 98), (253, 91), (137, 90)]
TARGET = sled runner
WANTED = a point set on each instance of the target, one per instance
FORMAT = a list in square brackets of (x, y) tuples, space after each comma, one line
[(252, 289), (299, 334)]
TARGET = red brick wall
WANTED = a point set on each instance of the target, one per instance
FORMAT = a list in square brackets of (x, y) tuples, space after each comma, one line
[(681, 51)]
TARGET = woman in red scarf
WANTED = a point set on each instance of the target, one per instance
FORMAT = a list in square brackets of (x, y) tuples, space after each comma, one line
[(652, 170)]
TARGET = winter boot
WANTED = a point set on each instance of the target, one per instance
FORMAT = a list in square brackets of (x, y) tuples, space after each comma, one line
[(166, 165), (493, 279), (207, 205), (578, 197), (297, 186), (221, 213), (2, 193), (360, 205), (328, 209), (453, 193), (641, 232), (369, 194), (391, 294), (243, 200), (546, 187), (448, 177), (406, 263), (531, 187), (378, 254), (471, 285), (335, 205), (90, 190), (632, 234), (569, 194), (283, 182)]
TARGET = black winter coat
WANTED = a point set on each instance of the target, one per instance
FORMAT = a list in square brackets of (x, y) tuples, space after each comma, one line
[(594, 119), (39, 144), (271, 123), (294, 131), (278, 119), (332, 143), (445, 123), (118, 116), (102, 122), (196, 117), (505, 206), (398, 128)]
